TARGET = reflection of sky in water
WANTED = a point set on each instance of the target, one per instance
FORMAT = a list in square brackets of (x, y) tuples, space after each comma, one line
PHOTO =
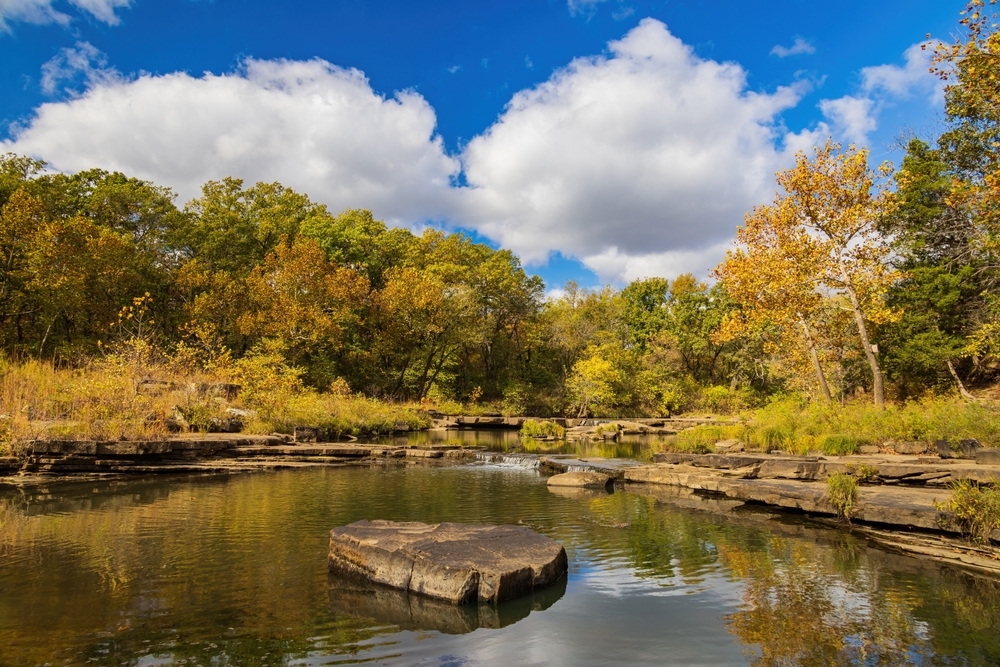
[(231, 571)]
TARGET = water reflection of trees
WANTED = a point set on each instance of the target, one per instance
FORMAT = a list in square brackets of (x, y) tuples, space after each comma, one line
[(815, 596), (167, 567)]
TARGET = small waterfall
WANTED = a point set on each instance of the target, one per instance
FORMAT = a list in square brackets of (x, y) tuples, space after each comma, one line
[(508, 460)]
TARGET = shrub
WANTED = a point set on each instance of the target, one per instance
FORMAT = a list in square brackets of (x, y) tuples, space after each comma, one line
[(790, 423), (976, 508), (515, 401), (843, 490), (700, 439), (722, 400), (132, 391), (532, 428), (867, 473), (838, 444)]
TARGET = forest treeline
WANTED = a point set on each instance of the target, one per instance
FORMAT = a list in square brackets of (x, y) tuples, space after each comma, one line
[(857, 279)]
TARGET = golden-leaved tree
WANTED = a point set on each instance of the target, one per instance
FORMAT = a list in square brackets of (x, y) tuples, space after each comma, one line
[(772, 275), (820, 239)]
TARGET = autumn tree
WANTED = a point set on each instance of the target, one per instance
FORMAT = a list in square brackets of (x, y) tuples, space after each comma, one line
[(773, 275), (821, 237)]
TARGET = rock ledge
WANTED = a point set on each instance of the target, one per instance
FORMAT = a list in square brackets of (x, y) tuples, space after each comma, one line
[(454, 562)]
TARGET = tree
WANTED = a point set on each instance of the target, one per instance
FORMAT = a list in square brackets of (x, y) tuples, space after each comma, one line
[(645, 309), (355, 239), (773, 274), (298, 297), (823, 234), (230, 228)]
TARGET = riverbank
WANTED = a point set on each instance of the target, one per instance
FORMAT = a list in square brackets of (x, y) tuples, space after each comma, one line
[(901, 502), (187, 454)]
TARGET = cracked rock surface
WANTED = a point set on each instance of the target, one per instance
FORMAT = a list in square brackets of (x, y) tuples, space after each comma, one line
[(454, 562)]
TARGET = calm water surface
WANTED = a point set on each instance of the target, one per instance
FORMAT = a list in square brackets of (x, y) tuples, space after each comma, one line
[(232, 571)]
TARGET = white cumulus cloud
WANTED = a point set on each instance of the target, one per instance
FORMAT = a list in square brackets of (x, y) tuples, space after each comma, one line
[(854, 117), (640, 163), (902, 82), (799, 47), (313, 126), (70, 63), (42, 12)]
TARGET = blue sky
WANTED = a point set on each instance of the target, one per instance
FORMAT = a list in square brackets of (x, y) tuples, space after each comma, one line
[(602, 141)]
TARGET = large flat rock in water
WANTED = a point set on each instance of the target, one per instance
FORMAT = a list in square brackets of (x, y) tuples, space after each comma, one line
[(580, 479), (454, 562)]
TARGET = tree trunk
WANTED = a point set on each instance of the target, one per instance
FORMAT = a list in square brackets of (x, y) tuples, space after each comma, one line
[(815, 359), (879, 386), (961, 387)]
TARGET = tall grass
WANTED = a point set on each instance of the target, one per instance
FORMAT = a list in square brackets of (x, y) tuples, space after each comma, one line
[(843, 490), (794, 425), (137, 392), (533, 428)]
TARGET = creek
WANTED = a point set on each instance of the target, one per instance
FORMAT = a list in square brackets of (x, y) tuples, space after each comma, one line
[(231, 570)]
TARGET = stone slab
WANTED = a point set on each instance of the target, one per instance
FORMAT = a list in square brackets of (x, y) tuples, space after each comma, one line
[(457, 563), (424, 453), (912, 507), (585, 480), (988, 456)]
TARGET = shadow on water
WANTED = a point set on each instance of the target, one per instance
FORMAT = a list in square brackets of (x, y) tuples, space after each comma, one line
[(360, 599)]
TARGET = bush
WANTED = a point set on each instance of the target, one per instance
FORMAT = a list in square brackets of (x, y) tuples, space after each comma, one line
[(336, 415), (838, 444), (532, 428), (976, 508), (515, 401), (843, 490), (700, 439), (133, 392)]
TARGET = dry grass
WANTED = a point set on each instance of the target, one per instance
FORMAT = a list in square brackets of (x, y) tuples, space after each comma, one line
[(795, 426), (136, 391)]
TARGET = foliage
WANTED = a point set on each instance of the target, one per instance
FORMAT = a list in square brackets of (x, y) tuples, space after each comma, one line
[(700, 439), (976, 508), (822, 237), (838, 444), (866, 473), (796, 425), (843, 490), (539, 429), (853, 282)]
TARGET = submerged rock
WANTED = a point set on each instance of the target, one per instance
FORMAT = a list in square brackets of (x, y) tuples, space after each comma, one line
[(585, 480), (454, 562)]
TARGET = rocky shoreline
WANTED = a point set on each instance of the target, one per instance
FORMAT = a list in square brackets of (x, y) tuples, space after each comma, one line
[(898, 503), (197, 454)]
